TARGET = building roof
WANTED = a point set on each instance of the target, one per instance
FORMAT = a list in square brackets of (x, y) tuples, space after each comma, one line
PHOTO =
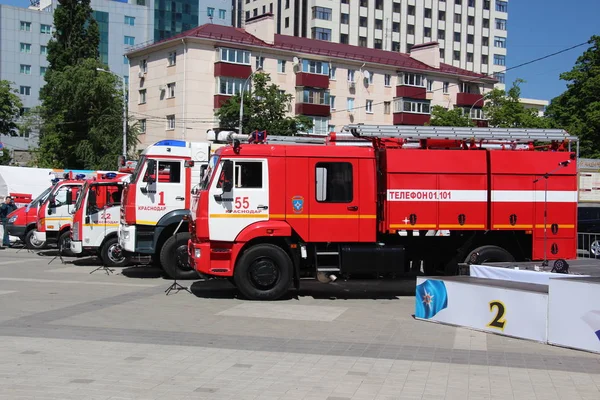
[(303, 45)]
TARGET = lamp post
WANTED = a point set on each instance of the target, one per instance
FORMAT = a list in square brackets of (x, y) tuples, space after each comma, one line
[(124, 110), (242, 97)]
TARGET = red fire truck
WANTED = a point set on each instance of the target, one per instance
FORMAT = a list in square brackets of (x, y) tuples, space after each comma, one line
[(95, 221), (22, 222), (268, 214)]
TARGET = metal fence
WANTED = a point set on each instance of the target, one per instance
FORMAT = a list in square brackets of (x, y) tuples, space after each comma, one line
[(588, 245)]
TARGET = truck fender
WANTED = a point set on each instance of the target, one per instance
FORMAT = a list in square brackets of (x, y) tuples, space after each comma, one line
[(171, 218), (264, 229)]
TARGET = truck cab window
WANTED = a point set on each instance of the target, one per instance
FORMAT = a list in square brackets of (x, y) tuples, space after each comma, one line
[(169, 171), (248, 174), (333, 182)]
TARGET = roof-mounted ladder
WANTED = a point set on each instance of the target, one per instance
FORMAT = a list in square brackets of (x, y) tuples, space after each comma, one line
[(459, 133)]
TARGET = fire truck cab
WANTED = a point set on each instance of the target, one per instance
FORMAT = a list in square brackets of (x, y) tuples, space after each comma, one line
[(155, 201), (95, 223), (22, 221), (269, 214)]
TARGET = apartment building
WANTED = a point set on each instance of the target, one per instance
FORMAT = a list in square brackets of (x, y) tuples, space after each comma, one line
[(178, 84), (471, 33)]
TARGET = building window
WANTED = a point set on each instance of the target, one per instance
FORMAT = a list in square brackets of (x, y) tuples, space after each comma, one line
[(484, 59), (442, 15), (25, 90), (25, 47), (378, 44), (315, 67), (314, 96), (170, 90), (500, 24), (43, 71), (142, 126), (456, 55), (387, 80), (281, 66), (427, 13), (470, 39), (446, 88), (210, 12), (470, 57), (379, 24), (396, 7), (499, 59), (170, 122), (333, 181), (125, 60), (126, 79), (486, 4), (457, 36), (395, 46), (500, 76), (172, 60), (44, 50), (501, 6), (430, 85), (411, 10), (26, 69), (369, 107), (471, 3), (332, 102), (364, 3), (142, 96), (47, 29), (345, 19), (442, 54), (485, 41), (486, 23), (410, 29), (320, 125), (332, 72), (362, 41), (350, 104), (350, 75), (235, 56), (129, 40), (287, 20), (321, 34), (343, 38), (457, 18), (427, 32), (475, 113), (471, 20), (260, 62), (129, 20), (222, 14), (410, 79), (26, 26), (230, 86), (441, 34), (363, 22), (411, 106), (379, 4), (321, 13), (387, 107), (500, 42)]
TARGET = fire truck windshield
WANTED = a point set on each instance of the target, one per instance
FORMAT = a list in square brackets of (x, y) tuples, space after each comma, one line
[(205, 178), (40, 199), (138, 168), (81, 196)]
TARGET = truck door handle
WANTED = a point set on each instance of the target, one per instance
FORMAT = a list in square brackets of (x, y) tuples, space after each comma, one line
[(262, 207), (353, 208), (179, 198)]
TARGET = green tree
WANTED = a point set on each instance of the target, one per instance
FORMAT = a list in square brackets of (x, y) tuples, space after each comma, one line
[(265, 108), (10, 106), (81, 114), (5, 158), (76, 35), (505, 110), (441, 116), (577, 110)]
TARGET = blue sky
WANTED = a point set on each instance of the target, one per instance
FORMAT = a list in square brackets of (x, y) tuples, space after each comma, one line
[(536, 28)]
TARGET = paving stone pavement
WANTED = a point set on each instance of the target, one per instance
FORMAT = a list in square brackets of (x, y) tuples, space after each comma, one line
[(69, 334)]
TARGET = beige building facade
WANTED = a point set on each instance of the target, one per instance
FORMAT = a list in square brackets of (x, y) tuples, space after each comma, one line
[(177, 85)]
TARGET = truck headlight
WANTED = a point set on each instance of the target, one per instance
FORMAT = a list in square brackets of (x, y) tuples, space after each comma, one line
[(197, 253), (13, 219)]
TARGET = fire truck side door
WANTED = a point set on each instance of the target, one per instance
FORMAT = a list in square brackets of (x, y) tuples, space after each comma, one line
[(246, 203), (57, 212), (164, 192), (334, 200)]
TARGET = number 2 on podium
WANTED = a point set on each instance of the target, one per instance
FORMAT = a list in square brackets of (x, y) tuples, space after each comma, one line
[(498, 322)]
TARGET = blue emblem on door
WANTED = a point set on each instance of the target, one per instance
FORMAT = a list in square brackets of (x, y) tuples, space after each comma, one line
[(298, 204)]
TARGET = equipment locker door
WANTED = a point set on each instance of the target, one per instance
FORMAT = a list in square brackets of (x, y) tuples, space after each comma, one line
[(334, 210)]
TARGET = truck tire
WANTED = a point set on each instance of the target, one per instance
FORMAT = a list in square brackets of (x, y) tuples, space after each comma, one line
[(489, 253), (174, 257), (31, 243), (111, 254), (64, 244), (263, 272)]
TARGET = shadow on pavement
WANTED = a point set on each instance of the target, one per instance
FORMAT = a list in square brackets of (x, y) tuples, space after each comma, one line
[(143, 272), (365, 290)]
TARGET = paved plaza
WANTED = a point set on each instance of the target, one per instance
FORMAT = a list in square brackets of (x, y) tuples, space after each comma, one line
[(69, 334)]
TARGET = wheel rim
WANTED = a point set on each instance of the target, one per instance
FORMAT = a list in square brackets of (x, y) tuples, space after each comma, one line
[(264, 273), (115, 254), (183, 261), (595, 248)]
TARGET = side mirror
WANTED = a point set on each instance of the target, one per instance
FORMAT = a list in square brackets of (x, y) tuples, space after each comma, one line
[(69, 197), (227, 186), (188, 163), (52, 201), (150, 170)]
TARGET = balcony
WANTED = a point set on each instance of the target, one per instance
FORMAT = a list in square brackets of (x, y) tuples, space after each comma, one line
[(312, 80), (405, 118), (240, 71), (316, 110), (219, 99), (468, 99), (413, 92)]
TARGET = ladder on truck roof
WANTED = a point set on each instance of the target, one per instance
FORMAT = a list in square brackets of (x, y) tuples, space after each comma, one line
[(459, 133)]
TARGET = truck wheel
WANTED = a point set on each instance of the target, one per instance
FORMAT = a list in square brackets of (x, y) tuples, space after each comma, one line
[(174, 257), (112, 255), (489, 254), (264, 272), (64, 244), (32, 243)]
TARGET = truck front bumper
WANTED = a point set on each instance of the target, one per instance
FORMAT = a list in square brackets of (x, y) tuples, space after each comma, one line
[(16, 230), (40, 236), (76, 247), (127, 238)]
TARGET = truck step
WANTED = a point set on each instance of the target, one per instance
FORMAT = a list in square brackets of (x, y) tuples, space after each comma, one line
[(327, 253), (328, 269)]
